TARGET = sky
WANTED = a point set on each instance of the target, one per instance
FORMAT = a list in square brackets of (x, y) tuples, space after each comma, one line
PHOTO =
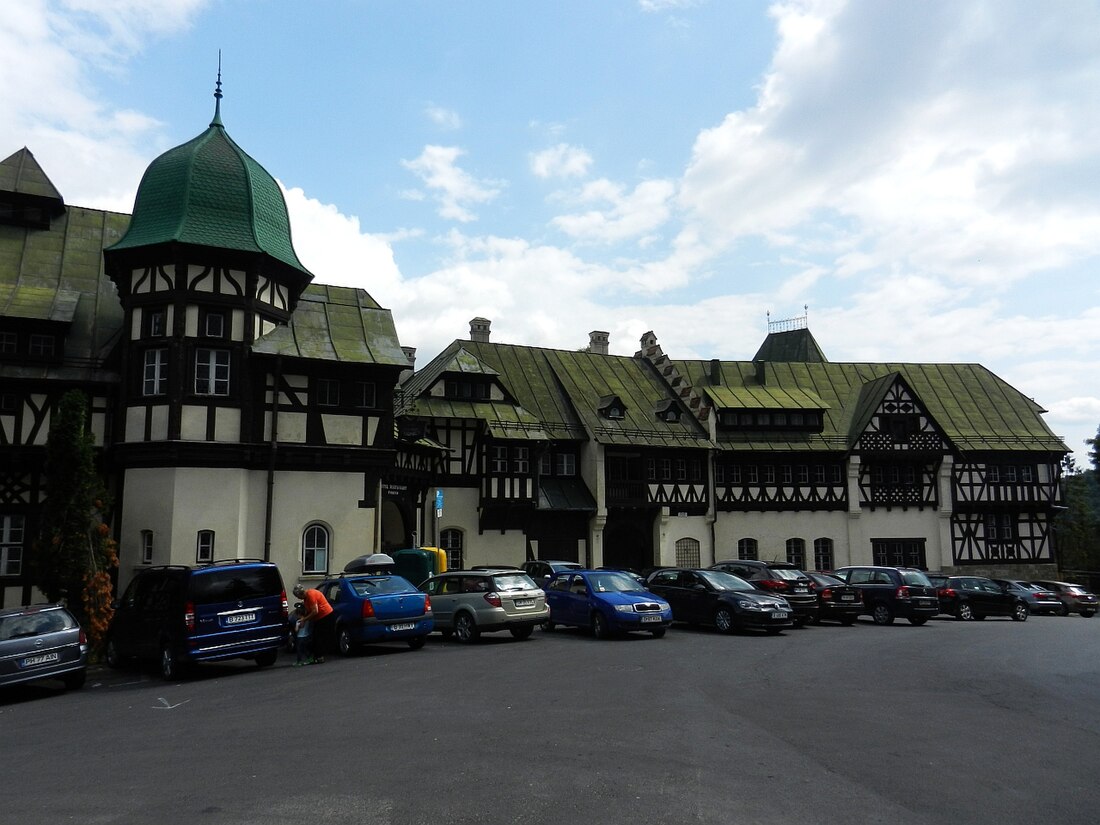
[(920, 180)]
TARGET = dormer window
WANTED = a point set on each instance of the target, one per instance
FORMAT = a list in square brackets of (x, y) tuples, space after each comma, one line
[(612, 408), (803, 420), (668, 411), (466, 390)]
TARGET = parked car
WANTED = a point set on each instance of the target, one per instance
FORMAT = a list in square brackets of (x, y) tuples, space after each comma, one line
[(837, 601), (179, 615), (634, 574), (781, 579), (468, 603), (723, 600), (370, 608), (1039, 599), (605, 601), (542, 571), (893, 592), (1074, 597), (975, 597), (42, 641)]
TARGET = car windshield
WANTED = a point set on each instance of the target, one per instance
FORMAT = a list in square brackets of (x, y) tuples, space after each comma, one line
[(613, 582), (24, 625), (513, 581), (378, 585), (724, 581), (915, 577)]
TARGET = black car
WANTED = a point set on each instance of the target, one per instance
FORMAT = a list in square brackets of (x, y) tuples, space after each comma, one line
[(893, 592), (720, 599), (42, 641), (975, 597), (178, 615), (780, 579), (542, 571), (837, 600), (1038, 598)]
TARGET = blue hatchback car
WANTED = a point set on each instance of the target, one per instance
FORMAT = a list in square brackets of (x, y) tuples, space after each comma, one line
[(370, 608), (608, 602)]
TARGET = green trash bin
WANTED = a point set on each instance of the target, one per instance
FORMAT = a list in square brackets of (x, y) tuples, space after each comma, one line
[(413, 564)]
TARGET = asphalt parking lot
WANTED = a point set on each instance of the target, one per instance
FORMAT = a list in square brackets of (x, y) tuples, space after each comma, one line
[(951, 722)]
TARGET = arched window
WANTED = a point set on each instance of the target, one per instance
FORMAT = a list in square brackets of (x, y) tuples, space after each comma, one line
[(746, 549), (823, 554), (450, 540), (687, 553), (204, 547), (796, 552), (315, 548)]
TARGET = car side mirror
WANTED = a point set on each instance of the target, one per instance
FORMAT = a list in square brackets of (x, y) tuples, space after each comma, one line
[(698, 586)]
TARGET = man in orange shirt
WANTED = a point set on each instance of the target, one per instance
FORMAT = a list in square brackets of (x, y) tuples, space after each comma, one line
[(315, 607)]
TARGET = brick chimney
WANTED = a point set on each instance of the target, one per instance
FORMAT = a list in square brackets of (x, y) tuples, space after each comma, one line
[(597, 342), (410, 353), (479, 330)]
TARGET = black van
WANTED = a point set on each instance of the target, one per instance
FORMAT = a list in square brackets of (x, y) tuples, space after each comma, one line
[(178, 615)]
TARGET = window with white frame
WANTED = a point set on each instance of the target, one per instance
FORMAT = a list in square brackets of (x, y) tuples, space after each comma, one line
[(687, 553), (204, 546), (211, 371), (215, 325), (9, 343), (498, 459), (450, 541), (365, 394), (11, 544), (328, 392), (155, 376), (315, 549), (521, 460), (146, 546), (823, 554)]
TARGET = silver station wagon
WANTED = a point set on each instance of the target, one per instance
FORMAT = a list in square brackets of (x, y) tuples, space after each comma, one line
[(468, 603), (42, 642)]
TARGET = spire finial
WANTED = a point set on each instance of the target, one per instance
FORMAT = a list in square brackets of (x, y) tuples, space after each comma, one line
[(217, 121)]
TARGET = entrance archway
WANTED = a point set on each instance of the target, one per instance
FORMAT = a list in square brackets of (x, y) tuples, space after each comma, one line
[(628, 542), (395, 532)]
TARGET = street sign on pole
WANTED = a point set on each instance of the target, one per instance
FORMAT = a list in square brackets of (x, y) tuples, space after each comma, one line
[(438, 503)]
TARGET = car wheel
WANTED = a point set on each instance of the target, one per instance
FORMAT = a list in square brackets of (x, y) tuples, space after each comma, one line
[(917, 621), (417, 642), (964, 613), (1020, 612), (267, 658), (74, 680), (882, 614), (658, 632), (169, 667), (1065, 610), (1086, 614), (723, 619), (548, 626), (521, 633), (466, 628), (345, 646), (114, 658), (600, 628)]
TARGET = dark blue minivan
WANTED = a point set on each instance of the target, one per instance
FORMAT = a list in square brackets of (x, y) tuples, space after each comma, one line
[(178, 615)]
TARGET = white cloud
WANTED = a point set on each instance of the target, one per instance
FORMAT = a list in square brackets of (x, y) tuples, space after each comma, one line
[(444, 118), (628, 214), (454, 188), (561, 161)]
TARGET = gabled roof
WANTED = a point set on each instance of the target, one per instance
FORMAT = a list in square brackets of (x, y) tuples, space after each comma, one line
[(975, 409), (560, 392), (333, 323), (790, 345), (20, 174)]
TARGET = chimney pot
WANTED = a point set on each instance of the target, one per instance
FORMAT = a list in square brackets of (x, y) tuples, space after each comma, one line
[(597, 341), (479, 329)]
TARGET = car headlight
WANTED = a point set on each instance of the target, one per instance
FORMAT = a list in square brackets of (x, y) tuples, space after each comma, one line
[(747, 605), (625, 608)]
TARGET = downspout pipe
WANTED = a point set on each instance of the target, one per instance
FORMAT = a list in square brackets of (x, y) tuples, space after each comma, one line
[(272, 449)]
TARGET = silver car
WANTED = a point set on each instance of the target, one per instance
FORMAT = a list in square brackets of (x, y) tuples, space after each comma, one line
[(41, 642), (468, 603)]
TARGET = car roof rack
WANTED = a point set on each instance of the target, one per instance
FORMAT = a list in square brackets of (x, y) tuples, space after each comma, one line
[(216, 562)]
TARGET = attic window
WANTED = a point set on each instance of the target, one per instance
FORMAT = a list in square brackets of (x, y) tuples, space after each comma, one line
[(612, 408), (467, 390), (667, 411), (615, 412), (804, 421)]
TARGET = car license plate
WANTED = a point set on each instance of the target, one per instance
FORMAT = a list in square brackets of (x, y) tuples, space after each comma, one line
[(651, 618), (240, 618), (403, 626), (525, 602), (42, 659), (847, 597), (779, 614), (801, 590)]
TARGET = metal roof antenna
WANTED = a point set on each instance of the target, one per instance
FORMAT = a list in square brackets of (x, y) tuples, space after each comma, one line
[(217, 121)]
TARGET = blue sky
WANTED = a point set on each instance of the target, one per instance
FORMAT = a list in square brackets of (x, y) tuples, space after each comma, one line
[(922, 176)]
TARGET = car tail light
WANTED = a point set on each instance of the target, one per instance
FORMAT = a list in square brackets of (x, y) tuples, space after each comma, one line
[(493, 599), (83, 637), (827, 593), (189, 615), (946, 592), (368, 609), (427, 603), (286, 607), (902, 593)]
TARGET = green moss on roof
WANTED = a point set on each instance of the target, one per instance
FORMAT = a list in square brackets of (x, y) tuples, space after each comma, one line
[(209, 192)]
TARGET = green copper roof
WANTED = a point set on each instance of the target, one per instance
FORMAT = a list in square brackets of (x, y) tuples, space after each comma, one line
[(209, 192)]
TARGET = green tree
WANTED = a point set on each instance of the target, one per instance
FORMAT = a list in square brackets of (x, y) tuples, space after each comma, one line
[(1077, 527), (74, 553)]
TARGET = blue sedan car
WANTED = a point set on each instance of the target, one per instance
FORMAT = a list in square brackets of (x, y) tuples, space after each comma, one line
[(605, 601), (377, 608)]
